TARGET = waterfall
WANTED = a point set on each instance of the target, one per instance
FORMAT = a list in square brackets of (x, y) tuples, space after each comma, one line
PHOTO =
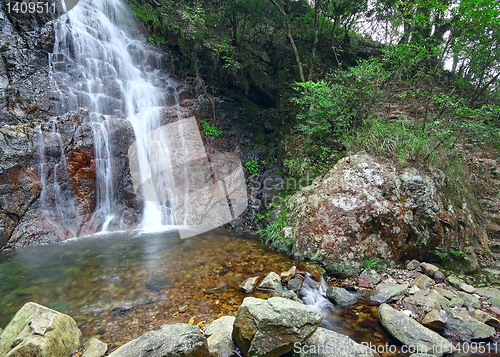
[(98, 62)]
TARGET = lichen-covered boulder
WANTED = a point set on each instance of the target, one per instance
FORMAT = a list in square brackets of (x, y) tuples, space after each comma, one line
[(271, 327), (179, 340), (363, 205), (36, 330)]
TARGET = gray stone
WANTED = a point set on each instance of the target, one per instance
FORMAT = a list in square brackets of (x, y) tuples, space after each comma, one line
[(386, 291), (467, 288), (36, 330), (439, 276), (456, 302), (413, 289), (446, 293), (492, 275), (486, 318), (248, 286), (327, 343), (461, 326), (272, 282), (429, 269), (271, 327), (454, 281), (492, 294), (413, 264), (219, 340), (422, 281), (469, 300), (95, 348), (340, 296), (294, 285), (370, 276), (181, 340), (411, 333), (422, 302), (291, 296), (435, 319)]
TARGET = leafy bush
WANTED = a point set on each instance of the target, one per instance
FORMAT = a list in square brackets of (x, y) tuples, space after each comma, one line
[(210, 130), (252, 166), (273, 233)]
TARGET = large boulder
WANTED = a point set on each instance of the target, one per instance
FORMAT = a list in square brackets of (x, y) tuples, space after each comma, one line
[(363, 205), (411, 333), (327, 343), (179, 340), (271, 327), (36, 330), (462, 326)]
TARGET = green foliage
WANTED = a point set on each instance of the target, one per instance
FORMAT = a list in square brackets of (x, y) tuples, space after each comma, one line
[(441, 255), (273, 233), (373, 264), (210, 130), (252, 166), (457, 253)]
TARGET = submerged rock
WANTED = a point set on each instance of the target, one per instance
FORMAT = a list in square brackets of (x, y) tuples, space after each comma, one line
[(181, 340), (386, 291), (327, 343), (271, 327), (411, 333), (340, 296), (36, 330)]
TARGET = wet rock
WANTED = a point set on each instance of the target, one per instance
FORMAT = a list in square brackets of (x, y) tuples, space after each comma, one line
[(316, 271), (469, 300), (340, 296), (412, 265), (248, 286), (294, 285), (271, 282), (469, 289), (492, 294), (289, 274), (95, 348), (219, 340), (411, 333), (439, 276), (446, 293), (429, 269), (271, 327), (422, 281), (370, 276), (461, 326), (181, 340), (327, 343), (363, 205), (422, 302), (454, 281), (36, 330), (386, 291), (435, 319)]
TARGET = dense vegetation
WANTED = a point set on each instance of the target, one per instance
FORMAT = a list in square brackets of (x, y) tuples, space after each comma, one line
[(414, 81)]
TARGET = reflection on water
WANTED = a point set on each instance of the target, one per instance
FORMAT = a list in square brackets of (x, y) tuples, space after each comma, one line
[(120, 285)]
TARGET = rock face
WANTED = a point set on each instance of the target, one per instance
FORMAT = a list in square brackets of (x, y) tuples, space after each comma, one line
[(411, 333), (327, 343), (180, 340), (36, 330), (362, 205), (271, 327)]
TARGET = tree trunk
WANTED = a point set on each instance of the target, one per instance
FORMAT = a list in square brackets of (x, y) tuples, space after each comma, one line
[(315, 41)]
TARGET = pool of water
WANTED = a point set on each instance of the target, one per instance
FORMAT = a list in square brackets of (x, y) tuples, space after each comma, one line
[(120, 285)]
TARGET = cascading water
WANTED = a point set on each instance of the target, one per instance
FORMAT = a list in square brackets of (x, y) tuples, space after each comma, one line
[(98, 63)]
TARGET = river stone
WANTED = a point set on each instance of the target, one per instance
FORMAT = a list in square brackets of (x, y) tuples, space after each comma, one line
[(429, 269), (413, 289), (289, 274), (456, 302), (469, 289), (422, 281), (435, 319), (446, 293), (370, 276), (492, 275), (327, 343), (411, 333), (95, 348), (294, 285), (412, 265), (439, 276), (454, 281), (386, 291), (492, 294), (272, 282), (461, 326), (180, 340), (486, 318), (36, 330), (248, 286), (271, 327), (219, 340), (422, 302), (291, 296), (340, 296), (469, 300)]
